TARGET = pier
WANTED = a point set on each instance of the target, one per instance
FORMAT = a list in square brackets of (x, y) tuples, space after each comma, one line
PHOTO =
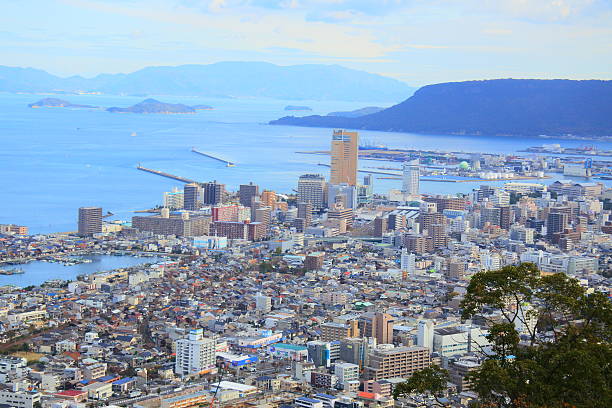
[(210, 156), (167, 175)]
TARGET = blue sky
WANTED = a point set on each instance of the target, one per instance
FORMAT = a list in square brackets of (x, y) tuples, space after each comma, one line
[(417, 41)]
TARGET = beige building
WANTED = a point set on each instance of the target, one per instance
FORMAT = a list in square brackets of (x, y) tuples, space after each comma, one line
[(332, 331), (396, 362), (344, 157)]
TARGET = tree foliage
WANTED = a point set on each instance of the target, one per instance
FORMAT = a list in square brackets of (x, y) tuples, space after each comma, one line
[(562, 357), (431, 381)]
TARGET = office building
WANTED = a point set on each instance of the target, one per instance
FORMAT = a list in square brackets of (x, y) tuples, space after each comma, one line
[(179, 224), (311, 189), (304, 212), (557, 220), (380, 226), (365, 191), (393, 362), (319, 352), (340, 213), (192, 197), (212, 193), (195, 354), (377, 325), (344, 157), (90, 220), (342, 193), (411, 178), (247, 192)]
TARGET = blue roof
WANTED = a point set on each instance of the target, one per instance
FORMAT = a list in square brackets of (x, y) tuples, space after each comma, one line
[(123, 381), (324, 395), (106, 378), (306, 399)]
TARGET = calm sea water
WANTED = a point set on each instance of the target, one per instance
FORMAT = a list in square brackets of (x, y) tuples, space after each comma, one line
[(54, 160), (38, 272)]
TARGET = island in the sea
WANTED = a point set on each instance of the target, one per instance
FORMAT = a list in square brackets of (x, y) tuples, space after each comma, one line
[(202, 107), (297, 108), (59, 103), (154, 106)]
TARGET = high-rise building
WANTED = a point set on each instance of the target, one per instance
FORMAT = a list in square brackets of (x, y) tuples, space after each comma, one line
[(263, 303), (192, 193), (411, 178), (247, 192), (332, 331), (195, 354), (398, 362), (344, 193), (314, 261), (344, 157), (319, 352), (212, 193), (305, 213), (268, 198), (407, 262), (344, 215), (90, 220), (311, 189), (557, 221), (181, 225), (380, 226), (425, 334), (174, 199), (377, 325), (365, 191)]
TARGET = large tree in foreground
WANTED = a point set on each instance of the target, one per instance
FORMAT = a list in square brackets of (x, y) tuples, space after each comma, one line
[(550, 340)]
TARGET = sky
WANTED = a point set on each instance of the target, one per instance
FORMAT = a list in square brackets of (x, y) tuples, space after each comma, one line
[(416, 41)]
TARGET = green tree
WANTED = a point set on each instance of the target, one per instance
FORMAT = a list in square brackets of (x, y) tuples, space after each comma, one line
[(565, 357), (430, 381)]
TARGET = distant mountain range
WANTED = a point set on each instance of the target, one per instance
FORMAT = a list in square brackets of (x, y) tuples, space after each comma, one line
[(368, 110), (523, 107), (223, 79)]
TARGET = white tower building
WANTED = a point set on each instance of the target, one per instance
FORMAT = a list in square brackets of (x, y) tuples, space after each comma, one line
[(195, 354), (411, 174), (425, 335), (407, 262)]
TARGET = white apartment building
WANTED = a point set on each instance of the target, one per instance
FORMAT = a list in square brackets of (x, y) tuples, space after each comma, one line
[(194, 354)]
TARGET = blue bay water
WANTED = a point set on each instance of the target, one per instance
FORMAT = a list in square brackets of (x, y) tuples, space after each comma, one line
[(37, 272), (54, 160)]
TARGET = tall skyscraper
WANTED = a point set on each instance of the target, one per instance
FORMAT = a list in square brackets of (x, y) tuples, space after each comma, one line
[(311, 189), (90, 220), (411, 174), (344, 157), (191, 196), (247, 192), (195, 354)]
